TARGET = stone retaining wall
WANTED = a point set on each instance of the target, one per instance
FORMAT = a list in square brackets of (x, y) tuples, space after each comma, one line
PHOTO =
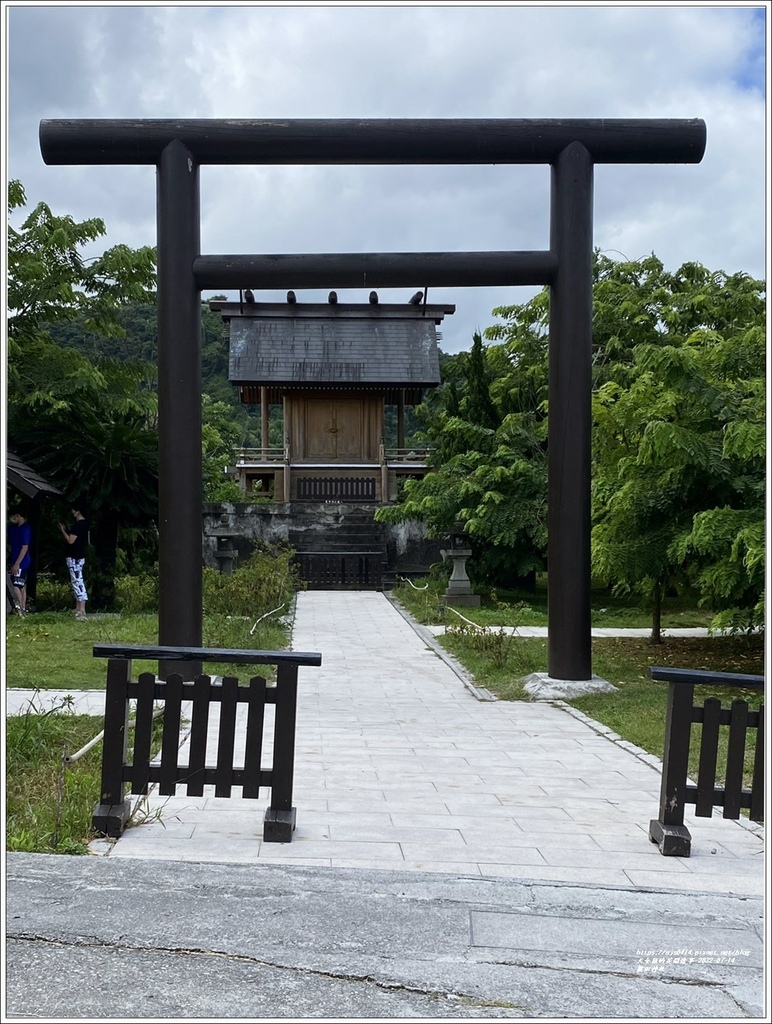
[(239, 527)]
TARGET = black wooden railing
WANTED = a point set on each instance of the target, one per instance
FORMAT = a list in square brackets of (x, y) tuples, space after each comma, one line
[(336, 488), (341, 570), (121, 767), (669, 831)]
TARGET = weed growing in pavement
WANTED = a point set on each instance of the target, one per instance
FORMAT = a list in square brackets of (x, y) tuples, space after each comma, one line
[(143, 814)]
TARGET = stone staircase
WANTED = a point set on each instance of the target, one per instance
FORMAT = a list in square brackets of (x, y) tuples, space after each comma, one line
[(339, 547)]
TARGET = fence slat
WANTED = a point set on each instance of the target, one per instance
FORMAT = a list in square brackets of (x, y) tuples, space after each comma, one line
[(284, 737), (170, 742), (706, 778), (116, 731), (676, 762), (199, 728), (756, 812), (254, 740), (143, 732), (227, 737), (735, 758)]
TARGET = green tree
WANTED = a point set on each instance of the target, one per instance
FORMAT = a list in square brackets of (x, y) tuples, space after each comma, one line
[(89, 426), (220, 437), (478, 406), (678, 476), (489, 468), (91, 430), (49, 280), (678, 489), (138, 343)]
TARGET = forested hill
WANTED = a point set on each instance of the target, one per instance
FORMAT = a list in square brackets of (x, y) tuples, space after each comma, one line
[(140, 344)]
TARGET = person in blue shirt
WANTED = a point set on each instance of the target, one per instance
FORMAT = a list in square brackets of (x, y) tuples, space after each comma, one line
[(20, 538)]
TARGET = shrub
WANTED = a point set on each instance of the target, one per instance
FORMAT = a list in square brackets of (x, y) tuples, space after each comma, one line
[(52, 594), (137, 593), (267, 580), (224, 491), (499, 644), (230, 492)]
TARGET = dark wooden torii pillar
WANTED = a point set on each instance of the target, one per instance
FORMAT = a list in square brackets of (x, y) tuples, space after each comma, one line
[(570, 147)]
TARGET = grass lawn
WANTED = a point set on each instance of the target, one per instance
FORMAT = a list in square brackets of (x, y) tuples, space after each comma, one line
[(637, 710), (49, 805), (52, 651), (521, 608)]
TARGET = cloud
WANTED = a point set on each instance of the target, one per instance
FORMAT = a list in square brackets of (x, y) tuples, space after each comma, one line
[(511, 61)]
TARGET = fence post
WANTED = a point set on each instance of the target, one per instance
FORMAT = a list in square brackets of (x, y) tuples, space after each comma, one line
[(669, 831), (287, 456), (279, 821), (113, 811), (756, 811)]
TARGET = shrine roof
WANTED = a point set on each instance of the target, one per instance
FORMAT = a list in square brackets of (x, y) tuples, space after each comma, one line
[(342, 345)]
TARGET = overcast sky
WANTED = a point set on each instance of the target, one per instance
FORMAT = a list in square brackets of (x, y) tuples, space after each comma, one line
[(402, 61)]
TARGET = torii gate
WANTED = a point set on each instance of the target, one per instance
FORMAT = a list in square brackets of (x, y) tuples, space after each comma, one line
[(570, 147)]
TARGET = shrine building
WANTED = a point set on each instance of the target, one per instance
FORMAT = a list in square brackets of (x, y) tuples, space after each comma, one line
[(334, 369)]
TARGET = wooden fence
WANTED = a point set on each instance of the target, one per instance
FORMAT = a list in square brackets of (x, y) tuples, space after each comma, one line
[(341, 570), (122, 766), (669, 831)]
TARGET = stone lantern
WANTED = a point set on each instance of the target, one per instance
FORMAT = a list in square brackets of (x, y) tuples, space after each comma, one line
[(225, 552), (459, 591)]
